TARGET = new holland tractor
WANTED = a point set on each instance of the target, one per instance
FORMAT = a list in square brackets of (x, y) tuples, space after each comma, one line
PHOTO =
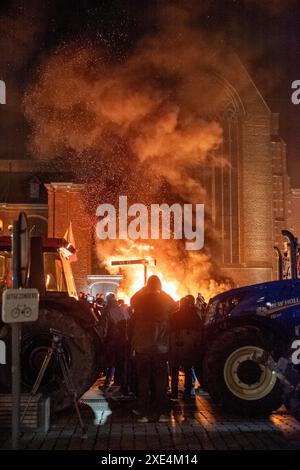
[(51, 274), (245, 324)]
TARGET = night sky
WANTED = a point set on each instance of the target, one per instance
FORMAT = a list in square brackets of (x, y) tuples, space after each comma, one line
[(266, 35)]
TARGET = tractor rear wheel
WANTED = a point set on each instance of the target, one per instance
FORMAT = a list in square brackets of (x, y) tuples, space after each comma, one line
[(234, 380), (79, 351)]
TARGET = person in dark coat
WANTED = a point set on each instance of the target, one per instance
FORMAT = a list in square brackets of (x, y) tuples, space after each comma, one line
[(151, 308), (114, 325), (185, 339)]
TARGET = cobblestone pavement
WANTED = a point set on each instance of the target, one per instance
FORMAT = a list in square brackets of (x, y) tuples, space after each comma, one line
[(199, 425)]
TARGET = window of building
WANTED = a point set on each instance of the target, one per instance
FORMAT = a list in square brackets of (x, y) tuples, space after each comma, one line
[(34, 188)]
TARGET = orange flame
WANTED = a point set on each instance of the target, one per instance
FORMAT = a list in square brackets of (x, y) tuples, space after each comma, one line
[(134, 274), (170, 287)]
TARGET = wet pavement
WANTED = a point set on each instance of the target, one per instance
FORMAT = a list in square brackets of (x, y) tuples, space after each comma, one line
[(196, 425)]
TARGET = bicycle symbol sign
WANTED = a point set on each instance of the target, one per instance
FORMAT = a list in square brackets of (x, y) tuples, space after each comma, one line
[(20, 305), (21, 310)]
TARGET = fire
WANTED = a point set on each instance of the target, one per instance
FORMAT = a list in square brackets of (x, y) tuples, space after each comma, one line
[(137, 276), (172, 280)]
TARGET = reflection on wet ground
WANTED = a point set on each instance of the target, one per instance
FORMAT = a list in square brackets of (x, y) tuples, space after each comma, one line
[(195, 425)]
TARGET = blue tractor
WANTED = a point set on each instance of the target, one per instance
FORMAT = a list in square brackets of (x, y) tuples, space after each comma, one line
[(247, 323)]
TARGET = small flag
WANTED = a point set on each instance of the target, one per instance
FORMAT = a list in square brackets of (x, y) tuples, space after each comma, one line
[(69, 236)]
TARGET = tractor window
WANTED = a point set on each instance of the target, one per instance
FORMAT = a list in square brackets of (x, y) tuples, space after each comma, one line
[(68, 275), (2, 267), (54, 273)]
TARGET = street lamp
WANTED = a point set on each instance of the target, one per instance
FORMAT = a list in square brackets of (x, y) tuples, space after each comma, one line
[(144, 261)]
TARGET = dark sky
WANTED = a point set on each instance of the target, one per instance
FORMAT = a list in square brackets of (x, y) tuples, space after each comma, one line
[(265, 33)]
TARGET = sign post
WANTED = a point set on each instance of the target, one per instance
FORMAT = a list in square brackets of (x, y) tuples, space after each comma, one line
[(15, 371), (19, 305)]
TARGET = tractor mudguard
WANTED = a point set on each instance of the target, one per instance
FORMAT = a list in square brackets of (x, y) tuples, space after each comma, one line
[(79, 310)]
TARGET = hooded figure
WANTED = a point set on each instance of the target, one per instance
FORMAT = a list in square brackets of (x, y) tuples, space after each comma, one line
[(151, 315), (150, 343)]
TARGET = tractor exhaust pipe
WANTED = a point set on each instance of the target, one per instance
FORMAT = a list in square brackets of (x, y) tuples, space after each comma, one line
[(279, 263), (293, 252)]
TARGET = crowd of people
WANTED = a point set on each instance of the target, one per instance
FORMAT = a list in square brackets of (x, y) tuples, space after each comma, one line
[(147, 344)]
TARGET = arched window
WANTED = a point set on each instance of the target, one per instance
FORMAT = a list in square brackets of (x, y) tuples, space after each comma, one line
[(103, 287), (226, 189), (1, 226), (221, 181), (34, 188)]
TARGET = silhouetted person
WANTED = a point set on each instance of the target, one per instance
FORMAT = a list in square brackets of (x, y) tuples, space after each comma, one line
[(185, 339), (115, 341), (100, 300), (150, 342)]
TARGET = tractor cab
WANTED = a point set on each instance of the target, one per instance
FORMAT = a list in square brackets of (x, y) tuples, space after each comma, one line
[(50, 267), (60, 309)]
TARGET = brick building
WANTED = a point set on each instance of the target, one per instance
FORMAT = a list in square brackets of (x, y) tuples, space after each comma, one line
[(294, 211), (22, 189), (248, 196)]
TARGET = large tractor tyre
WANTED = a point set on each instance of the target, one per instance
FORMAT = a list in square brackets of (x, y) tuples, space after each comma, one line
[(234, 380), (79, 351), (5, 369)]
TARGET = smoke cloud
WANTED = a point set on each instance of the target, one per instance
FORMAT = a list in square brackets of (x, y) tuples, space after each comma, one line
[(140, 127)]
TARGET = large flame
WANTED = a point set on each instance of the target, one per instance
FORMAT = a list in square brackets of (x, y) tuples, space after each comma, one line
[(170, 287), (133, 274)]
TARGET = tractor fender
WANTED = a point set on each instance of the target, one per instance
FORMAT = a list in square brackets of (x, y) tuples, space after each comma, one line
[(79, 310), (268, 328)]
